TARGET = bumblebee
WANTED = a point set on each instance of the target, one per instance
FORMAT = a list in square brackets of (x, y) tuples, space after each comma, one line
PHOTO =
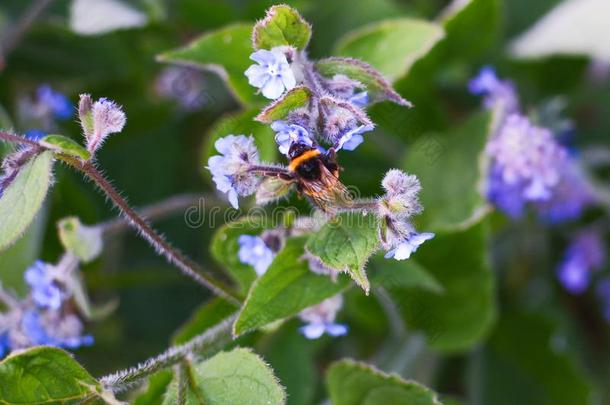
[(316, 175)]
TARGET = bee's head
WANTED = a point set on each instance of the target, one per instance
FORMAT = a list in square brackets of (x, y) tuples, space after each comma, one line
[(297, 149)]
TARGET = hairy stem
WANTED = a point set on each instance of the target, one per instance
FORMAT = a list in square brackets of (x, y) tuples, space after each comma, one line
[(7, 137), (158, 242), (205, 344)]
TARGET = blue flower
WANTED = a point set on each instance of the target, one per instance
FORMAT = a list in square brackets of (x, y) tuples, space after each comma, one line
[(59, 105), (404, 248), (254, 251), (353, 138), (35, 134), (585, 254), (272, 74), (46, 293), (230, 169), (360, 99), (65, 332), (5, 344), (289, 134), (320, 319)]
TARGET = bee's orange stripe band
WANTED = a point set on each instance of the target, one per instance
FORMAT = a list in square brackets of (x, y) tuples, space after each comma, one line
[(300, 159)]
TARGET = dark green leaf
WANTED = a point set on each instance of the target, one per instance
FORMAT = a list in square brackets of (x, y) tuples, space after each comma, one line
[(282, 25), (66, 146), (461, 316), (284, 290), (157, 385), (225, 51), (391, 46), (23, 198), (235, 377), (345, 243), (44, 375), (354, 383), (296, 98), (377, 86), (391, 273), (451, 170)]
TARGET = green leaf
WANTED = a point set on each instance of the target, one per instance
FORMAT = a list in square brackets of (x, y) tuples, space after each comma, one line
[(378, 88), (296, 98), (66, 146), (44, 375), (204, 317), (226, 52), (286, 288), (522, 363), (403, 274), (451, 176), (391, 46), (23, 198), (157, 385), (282, 26), (241, 123), (460, 317), (84, 242), (235, 377), (345, 243), (354, 383)]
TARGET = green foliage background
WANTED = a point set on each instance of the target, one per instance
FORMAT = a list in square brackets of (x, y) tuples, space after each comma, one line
[(517, 337)]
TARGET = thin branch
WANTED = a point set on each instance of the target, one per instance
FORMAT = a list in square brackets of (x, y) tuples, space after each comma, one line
[(7, 137), (21, 27), (208, 342), (158, 242)]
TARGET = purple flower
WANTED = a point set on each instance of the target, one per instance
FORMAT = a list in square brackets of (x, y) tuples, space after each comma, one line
[(254, 251), (230, 168), (289, 134), (403, 249), (497, 93), (320, 319), (46, 293), (585, 254), (272, 74), (351, 139), (58, 104)]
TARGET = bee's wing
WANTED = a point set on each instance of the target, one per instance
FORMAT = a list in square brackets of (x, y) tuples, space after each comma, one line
[(328, 193)]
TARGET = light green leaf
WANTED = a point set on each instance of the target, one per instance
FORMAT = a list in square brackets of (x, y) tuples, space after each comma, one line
[(23, 198), (226, 52), (204, 317), (451, 170), (284, 290), (354, 383), (235, 377), (377, 86), (296, 98), (84, 242), (391, 46), (44, 375), (403, 274), (282, 26), (241, 123), (66, 146), (523, 363), (587, 34), (224, 248), (157, 385), (460, 317), (345, 243)]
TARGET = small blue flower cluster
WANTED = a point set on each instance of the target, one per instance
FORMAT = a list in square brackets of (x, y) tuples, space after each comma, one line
[(41, 318), (528, 166)]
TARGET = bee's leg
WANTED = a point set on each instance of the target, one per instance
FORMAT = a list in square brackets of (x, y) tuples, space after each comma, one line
[(272, 171)]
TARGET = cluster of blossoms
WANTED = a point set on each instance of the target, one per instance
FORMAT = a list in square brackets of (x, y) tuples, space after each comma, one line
[(40, 113), (528, 165), (46, 315)]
